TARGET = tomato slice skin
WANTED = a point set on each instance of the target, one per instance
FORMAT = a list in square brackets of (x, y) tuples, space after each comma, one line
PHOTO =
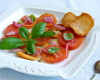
[(29, 25), (10, 28), (41, 19), (61, 54), (42, 41), (74, 43)]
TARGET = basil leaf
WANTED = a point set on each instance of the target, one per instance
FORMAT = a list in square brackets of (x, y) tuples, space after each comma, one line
[(30, 47), (20, 21), (32, 40), (47, 34), (32, 17), (56, 31), (11, 42), (24, 33), (53, 50), (68, 36), (38, 30)]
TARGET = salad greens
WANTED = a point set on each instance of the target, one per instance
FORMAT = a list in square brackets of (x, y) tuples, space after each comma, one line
[(20, 21), (32, 17), (24, 33), (68, 36), (11, 42), (37, 31), (53, 50)]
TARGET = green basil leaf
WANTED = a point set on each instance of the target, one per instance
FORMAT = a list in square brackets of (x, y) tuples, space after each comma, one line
[(32, 40), (30, 47), (68, 36), (38, 30), (47, 34), (32, 17), (24, 33), (20, 21), (53, 50), (56, 31), (11, 42)]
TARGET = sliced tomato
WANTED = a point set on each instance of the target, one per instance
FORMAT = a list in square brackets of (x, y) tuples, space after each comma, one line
[(55, 29), (42, 41), (10, 28), (74, 43), (41, 19), (55, 57), (16, 30), (27, 24), (67, 28)]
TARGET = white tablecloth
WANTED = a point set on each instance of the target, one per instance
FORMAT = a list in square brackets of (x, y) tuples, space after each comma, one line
[(90, 6)]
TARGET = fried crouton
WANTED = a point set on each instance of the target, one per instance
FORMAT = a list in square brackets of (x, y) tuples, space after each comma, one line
[(83, 24), (68, 18), (27, 56)]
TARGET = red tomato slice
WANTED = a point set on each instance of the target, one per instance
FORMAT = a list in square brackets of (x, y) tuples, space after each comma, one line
[(29, 25), (74, 43), (55, 57), (42, 41), (41, 19), (10, 28)]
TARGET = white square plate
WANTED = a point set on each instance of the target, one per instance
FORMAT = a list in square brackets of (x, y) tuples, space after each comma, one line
[(66, 68)]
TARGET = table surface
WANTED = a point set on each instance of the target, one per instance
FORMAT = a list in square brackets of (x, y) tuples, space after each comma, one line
[(90, 6)]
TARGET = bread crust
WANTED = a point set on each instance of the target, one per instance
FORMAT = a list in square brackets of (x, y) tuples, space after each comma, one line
[(68, 18), (27, 56), (83, 24)]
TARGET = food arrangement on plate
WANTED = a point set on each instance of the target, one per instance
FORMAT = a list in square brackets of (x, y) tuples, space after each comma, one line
[(40, 38)]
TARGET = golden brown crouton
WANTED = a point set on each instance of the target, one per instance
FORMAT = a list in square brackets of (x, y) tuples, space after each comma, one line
[(83, 24), (68, 18), (27, 56)]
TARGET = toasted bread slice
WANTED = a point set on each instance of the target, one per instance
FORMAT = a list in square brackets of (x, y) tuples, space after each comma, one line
[(68, 18), (83, 24)]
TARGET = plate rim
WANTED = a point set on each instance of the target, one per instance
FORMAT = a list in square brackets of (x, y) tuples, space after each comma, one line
[(38, 72)]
